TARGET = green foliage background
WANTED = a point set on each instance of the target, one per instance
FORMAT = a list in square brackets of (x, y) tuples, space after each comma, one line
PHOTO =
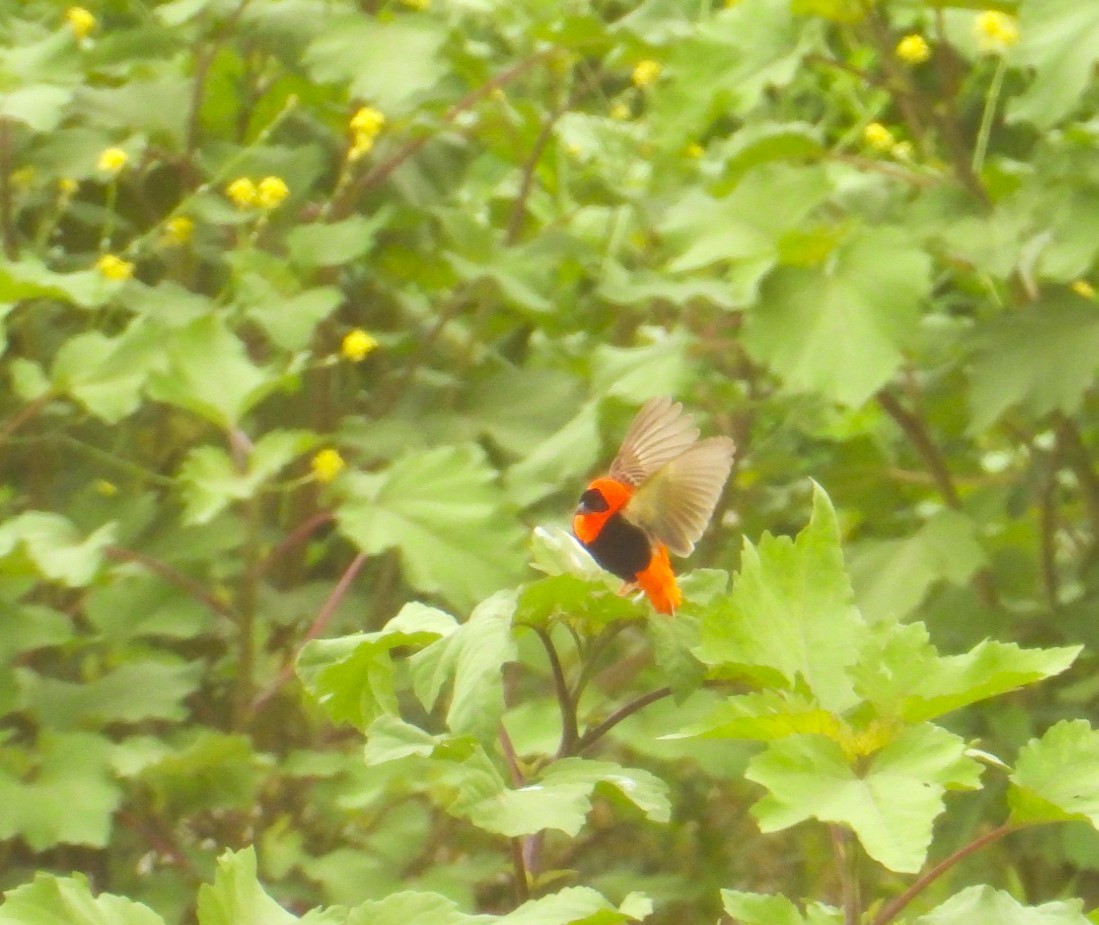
[(199, 620)]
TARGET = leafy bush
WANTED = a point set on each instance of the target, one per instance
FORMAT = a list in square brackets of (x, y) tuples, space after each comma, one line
[(314, 311)]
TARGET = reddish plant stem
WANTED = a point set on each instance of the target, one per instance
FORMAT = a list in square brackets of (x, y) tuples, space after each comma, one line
[(894, 908), (569, 731), (324, 615), (172, 576), (295, 537)]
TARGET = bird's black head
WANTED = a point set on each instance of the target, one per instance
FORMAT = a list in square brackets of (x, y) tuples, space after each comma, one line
[(592, 502)]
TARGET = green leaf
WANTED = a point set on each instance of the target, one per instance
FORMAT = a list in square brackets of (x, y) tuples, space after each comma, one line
[(30, 279), (636, 374), (982, 903), (213, 771), (388, 63), (900, 672), (762, 909), (585, 604), (747, 224), (70, 799), (473, 657), (210, 374), (110, 698), (1056, 777), (1043, 357), (50, 900), (764, 716), (210, 481), (352, 677), (335, 243), (53, 544), (40, 107), (789, 618), (840, 329), (409, 908), (576, 904), (891, 577), (441, 509), (290, 321), (891, 804), (561, 797), (1060, 40), (236, 896)]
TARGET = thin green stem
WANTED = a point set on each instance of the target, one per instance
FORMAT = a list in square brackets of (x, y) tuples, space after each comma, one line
[(569, 731), (992, 98), (847, 865)]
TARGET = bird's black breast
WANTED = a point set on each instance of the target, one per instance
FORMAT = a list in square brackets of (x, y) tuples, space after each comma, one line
[(621, 548)]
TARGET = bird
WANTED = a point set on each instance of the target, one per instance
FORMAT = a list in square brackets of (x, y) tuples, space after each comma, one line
[(657, 498)]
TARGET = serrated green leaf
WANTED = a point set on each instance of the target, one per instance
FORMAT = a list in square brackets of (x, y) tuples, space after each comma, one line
[(335, 243), (40, 107), (1042, 357), (210, 480), (214, 771), (236, 896), (31, 279), (789, 618), (982, 903), (588, 605), (576, 904), (891, 577), (745, 225), (51, 900), (55, 547), (890, 804), (840, 329), (561, 797), (389, 63), (902, 674), (110, 698), (133, 606), (764, 909), (764, 716), (1060, 40), (413, 908), (352, 677), (70, 799), (1056, 777), (209, 373), (639, 373), (290, 321), (472, 657), (441, 509)]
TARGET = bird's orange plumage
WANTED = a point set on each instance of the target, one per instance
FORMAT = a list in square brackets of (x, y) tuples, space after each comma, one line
[(660, 494)]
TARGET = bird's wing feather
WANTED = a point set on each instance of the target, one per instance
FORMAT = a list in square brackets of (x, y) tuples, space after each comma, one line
[(676, 502), (659, 433)]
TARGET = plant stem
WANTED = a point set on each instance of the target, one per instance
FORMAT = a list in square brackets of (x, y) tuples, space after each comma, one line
[(593, 735), (894, 908), (173, 576), (247, 603), (985, 130), (522, 879), (847, 864), (569, 732)]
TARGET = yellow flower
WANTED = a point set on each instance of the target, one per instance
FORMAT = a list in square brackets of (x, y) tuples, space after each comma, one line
[(242, 191), (66, 186), (80, 21), (996, 31), (878, 137), (105, 488), (270, 192), (114, 268), (646, 72), (361, 145), (357, 344), (694, 150), (913, 49), (112, 160), (178, 229), (367, 121), (1083, 288), (620, 111), (327, 464)]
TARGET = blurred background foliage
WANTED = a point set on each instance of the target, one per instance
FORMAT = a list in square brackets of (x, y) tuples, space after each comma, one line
[(313, 308)]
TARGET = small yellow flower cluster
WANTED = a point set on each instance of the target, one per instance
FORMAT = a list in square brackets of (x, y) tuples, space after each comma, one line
[(996, 32), (112, 160), (645, 73), (880, 138), (114, 268), (357, 344), (365, 126), (80, 21), (267, 194), (326, 465), (1083, 288), (178, 229), (913, 49)]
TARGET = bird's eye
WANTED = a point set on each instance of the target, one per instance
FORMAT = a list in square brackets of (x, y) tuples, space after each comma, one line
[(593, 502)]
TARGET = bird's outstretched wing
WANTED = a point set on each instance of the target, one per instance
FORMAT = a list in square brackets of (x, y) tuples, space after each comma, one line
[(659, 433)]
